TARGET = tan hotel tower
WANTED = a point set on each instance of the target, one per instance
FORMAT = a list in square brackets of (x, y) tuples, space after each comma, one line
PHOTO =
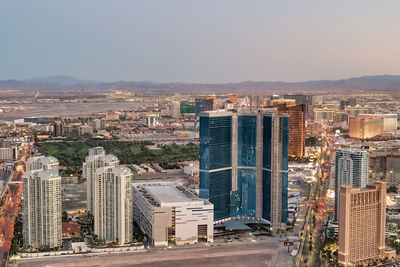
[(362, 224)]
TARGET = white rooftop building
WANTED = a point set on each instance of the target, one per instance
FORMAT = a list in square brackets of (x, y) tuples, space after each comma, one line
[(168, 212)]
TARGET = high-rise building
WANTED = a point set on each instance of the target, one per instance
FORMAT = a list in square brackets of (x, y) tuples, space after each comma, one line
[(98, 124), (244, 163), (175, 109), (257, 101), (151, 120), (362, 225), (350, 102), (282, 101), (113, 203), (58, 128), (42, 163), (324, 114), (203, 104), (85, 130), (297, 124), (97, 158), (8, 153), (42, 203), (389, 121), (365, 127), (187, 107), (233, 98), (306, 100), (351, 169), (356, 110)]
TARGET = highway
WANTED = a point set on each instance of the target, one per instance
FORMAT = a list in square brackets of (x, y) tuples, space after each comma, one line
[(9, 210)]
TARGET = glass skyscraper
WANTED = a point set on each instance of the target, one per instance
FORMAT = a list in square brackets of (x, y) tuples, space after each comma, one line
[(351, 169), (244, 163)]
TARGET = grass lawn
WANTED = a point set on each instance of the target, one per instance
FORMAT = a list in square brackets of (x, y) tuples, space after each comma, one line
[(73, 153)]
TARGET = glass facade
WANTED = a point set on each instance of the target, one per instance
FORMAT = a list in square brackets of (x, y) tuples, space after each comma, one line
[(284, 196), (247, 141), (284, 127), (220, 193), (266, 208), (187, 107), (267, 150), (215, 142), (267, 142), (203, 105), (216, 135), (216, 153), (243, 200), (351, 168)]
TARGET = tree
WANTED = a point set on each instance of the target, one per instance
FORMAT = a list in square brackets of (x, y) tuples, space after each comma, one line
[(64, 216), (392, 189)]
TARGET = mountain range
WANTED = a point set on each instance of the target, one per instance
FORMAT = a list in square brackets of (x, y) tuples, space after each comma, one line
[(357, 84)]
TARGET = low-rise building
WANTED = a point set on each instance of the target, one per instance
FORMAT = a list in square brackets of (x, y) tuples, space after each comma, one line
[(167, 212)]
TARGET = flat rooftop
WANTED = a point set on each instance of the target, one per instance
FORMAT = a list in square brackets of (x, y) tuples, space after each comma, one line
[(168, 194)]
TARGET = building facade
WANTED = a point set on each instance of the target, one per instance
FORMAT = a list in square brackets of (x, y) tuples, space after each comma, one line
[(233, 98), (98, 124), (324, 114), (58, 128), (244, 163), (297, 125), (389, 121), (175, 109), (113, 203), (97, 158), (362, 224), (365, 127), (168, 212), (42, 204), (306, 100), (204, 104), (351, 168)]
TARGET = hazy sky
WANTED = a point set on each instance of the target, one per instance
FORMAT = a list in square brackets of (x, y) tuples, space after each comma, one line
[(199, 40)]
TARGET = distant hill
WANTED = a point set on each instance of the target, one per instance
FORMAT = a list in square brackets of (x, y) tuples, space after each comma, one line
[(59, 80), (359, 84)]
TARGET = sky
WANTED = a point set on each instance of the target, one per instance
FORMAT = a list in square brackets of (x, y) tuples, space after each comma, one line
[(206, 41)]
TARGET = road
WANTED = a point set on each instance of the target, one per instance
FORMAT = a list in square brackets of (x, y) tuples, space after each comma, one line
[(263, 253), (6, 176), (11, 202), (314, 226)]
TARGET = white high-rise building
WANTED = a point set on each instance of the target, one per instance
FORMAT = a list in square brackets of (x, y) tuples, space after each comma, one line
[(175, 109), (97, 158), (42, 163), (113, 203), (42, 203), (351, 169)]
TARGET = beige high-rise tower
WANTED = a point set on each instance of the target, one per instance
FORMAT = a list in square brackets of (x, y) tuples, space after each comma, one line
[(362, 224), (42, 203), (97, 158), (113, 203)]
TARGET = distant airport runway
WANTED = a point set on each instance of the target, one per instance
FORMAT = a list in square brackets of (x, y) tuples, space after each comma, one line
[(67, 109)]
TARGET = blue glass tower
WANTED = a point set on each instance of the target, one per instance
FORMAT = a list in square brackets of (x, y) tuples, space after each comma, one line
[(351, 168), (244, 163)]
